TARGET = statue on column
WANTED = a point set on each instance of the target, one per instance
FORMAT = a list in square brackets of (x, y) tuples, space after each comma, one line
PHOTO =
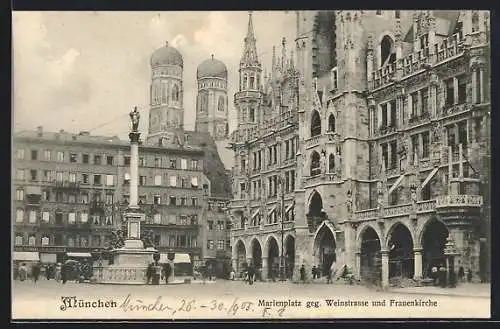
[(135, 116)]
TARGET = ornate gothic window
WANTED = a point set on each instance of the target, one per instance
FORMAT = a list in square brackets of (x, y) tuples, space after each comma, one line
[(203, 102), (331, 123), (245, 78), (315, 164), (221, 104), (387, 51), (175, 93), (331, 163), (315, 124)]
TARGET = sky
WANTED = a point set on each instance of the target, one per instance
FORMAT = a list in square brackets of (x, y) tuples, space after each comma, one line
[(87, 70)]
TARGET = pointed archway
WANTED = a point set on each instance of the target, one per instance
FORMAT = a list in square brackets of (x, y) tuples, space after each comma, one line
[(289, 256), (256, 253), (401, 258), (370, 262), (273, 258), (241, 256), (324, 249), (433, 240)]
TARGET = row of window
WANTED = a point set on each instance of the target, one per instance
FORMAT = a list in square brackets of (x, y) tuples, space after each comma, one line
[(250, 82), (106, 159), (160, 95), (316, 162), (212, 84), (221, 244), (173, 219), (203, 100), (172, 200), (173, 181), (60, 218), (255, 187), (57, 240), (218, 227), (290, 151), (316, 123)]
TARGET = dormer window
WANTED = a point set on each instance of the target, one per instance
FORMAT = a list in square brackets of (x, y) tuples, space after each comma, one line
[(424, 44)]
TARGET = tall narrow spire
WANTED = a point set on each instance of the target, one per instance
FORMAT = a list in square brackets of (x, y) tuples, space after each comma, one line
[(250, 49)]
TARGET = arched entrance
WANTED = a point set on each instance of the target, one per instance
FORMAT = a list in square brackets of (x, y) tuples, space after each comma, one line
[(370, 262), (401, 260), (241, 256), (433, 241), (272, 258), (256, 254), (289, 256), (324, 249)]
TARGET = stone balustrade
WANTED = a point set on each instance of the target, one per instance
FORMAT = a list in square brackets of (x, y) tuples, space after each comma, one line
[(398, 210), (426, 206), (459, 200), (238, 203), (416, 61), (328, 138), (366, 214), (321, 178), (129, 275)]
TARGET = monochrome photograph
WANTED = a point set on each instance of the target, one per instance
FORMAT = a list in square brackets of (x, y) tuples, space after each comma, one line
[(255, 165)]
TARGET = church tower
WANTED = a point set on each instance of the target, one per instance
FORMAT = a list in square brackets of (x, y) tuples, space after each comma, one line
[(166, 114), (247, 98), (211, 102)]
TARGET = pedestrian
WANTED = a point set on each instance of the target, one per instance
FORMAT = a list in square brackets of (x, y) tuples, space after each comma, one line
[(35, 272), (231, 274), (329, 276), (303, 273), (442, 276), (461, 274), (57, 274), (64, 273), (469, 275), (434, 275), (251, 273), (168, 271), (313, 272), (48, 271), (23, 272), (149, 273)]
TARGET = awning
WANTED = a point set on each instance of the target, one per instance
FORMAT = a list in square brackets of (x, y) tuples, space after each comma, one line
[(32, 256), (79, 254), (428, 179), (48, 258), (396, 183), (255, 213), (179, 258), (271, 211), (290, 207), (182, 258)]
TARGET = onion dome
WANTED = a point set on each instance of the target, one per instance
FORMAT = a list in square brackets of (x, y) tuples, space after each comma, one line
[(212, 68), (167, 55)]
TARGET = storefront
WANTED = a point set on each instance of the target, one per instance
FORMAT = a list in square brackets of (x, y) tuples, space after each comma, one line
[(182, 263), (28, 258)]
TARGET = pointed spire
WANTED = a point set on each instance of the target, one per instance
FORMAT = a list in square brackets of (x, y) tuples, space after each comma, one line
[(283, 53), (274, 60), (250, 49)]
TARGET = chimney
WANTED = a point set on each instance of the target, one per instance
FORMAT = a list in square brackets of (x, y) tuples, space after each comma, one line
[(39, 131), (84, 133), (61, 131)]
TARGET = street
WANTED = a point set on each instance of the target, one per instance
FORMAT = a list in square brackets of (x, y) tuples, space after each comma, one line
[(233, 299)]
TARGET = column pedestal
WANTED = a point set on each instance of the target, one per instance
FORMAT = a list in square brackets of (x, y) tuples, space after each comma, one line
[(264, 268), (417, 264), (385, 269), (358, 265)]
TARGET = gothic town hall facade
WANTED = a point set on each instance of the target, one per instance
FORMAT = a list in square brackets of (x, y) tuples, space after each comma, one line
[(367, 145)]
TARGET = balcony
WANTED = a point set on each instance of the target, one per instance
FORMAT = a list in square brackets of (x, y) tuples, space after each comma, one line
[(386, 130), (456, 108), (417, 61), (459, 200), (321, 178), (66, 185), (33, 190), (241, 203), (424, 117)]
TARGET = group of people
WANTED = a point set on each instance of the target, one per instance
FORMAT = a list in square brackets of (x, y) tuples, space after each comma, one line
[(59, 272), (444, 278), (156, 272)]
